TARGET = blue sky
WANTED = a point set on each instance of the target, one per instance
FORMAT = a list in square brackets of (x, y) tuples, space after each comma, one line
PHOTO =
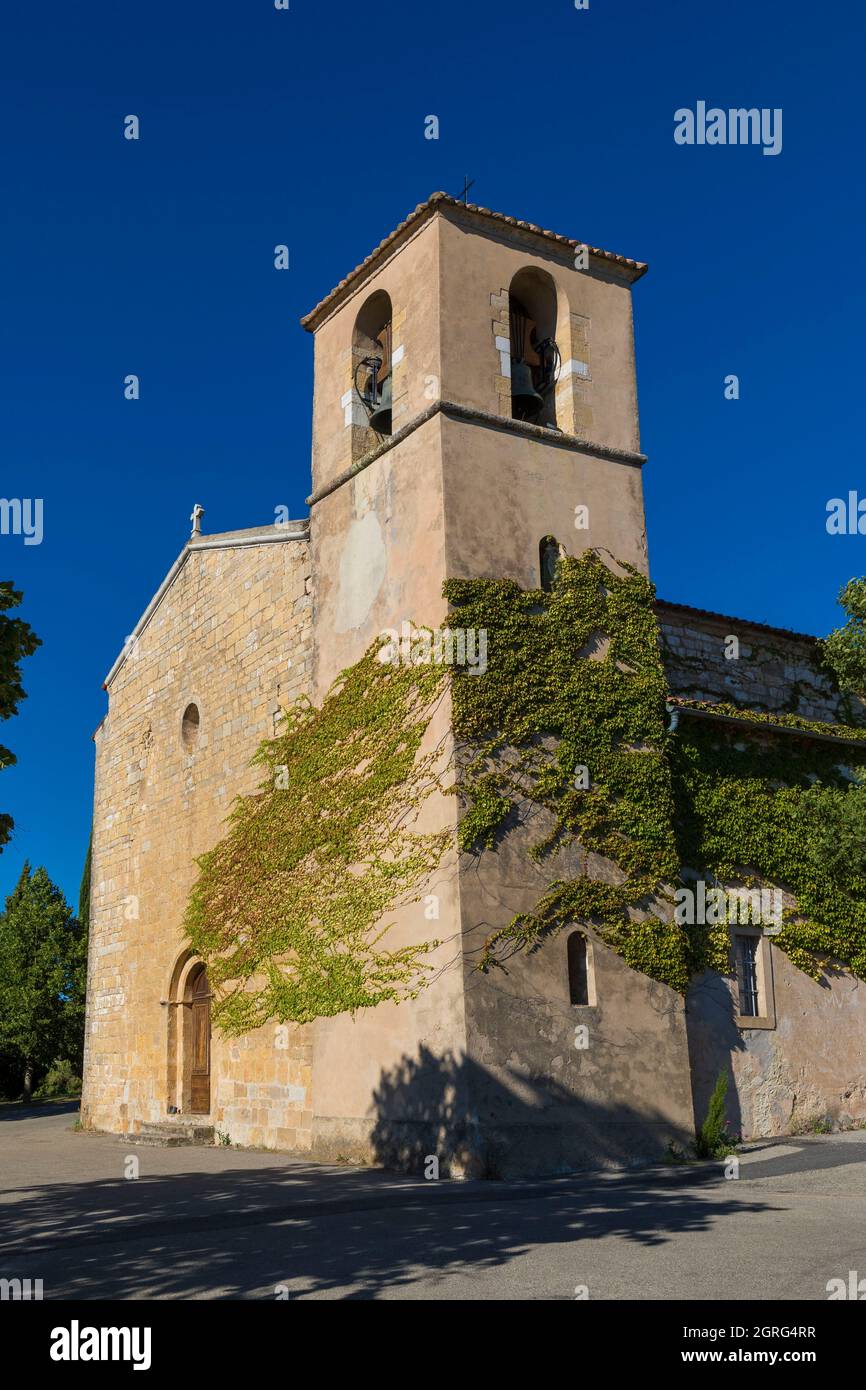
[(306, 128)]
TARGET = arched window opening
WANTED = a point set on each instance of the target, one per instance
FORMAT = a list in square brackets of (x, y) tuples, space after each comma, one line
[(535, 359), (549, 552), (371, 361), (581, 981), (190, 726)]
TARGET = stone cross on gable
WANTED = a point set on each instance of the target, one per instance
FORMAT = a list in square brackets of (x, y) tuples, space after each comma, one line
[(195, 518)]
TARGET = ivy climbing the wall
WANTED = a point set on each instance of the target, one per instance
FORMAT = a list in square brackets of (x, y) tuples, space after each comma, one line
[(785, 811), (569, 719), (290, 908), (574, 682)]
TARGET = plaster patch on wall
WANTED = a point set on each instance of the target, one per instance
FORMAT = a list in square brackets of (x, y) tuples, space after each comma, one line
[(764, 1088), (362, 570)]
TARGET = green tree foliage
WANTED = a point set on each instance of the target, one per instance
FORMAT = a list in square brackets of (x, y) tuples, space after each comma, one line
[(43, 958), (17, 640), (713, 1139), (61, 1079), (844, 651), (84, 890)]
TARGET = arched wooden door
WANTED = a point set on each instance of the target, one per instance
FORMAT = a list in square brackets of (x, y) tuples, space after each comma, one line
[(200, 1043)]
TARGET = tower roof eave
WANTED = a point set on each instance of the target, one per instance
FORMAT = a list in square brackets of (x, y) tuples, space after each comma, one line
[(633, 270)]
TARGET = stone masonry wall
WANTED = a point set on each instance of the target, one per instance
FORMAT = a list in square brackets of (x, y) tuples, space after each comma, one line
[(231, 633), (774, 671)]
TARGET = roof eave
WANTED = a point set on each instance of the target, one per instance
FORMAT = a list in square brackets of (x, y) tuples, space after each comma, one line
[(438, 202), (765, 724)]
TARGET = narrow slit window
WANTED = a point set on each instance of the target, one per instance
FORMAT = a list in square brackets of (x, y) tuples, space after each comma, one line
[(190, 726), (578, 969), (548, 559)]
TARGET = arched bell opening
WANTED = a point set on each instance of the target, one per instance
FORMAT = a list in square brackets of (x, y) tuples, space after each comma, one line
[(535, 358), (372, 374)]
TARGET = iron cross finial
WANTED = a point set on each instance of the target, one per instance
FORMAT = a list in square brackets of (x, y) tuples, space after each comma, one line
[(467, 184)]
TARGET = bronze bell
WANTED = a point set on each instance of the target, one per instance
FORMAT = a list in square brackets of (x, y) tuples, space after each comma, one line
[(380, 415), (525, 400)]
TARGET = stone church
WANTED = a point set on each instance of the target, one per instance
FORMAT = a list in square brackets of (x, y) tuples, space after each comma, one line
[(474, 387)]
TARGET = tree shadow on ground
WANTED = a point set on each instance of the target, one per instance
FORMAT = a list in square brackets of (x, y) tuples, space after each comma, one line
[(17, 1110), (241, 1234), (714, 1038), (245, 1224), (495, 1123)]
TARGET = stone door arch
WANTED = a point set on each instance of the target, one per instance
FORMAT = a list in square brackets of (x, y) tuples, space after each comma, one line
[(188, 1071)]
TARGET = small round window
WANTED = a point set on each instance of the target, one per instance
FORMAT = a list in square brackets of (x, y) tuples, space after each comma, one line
[(189, 729)]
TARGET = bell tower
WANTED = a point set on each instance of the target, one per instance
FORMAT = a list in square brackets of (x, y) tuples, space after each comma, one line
[(475, 405), (474, 393)]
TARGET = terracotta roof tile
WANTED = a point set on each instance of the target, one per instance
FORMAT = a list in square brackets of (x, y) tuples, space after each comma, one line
[(726, 618), (426, 209)]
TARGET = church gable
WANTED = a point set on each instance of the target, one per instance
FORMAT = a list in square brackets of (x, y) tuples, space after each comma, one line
[(221, 648)]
